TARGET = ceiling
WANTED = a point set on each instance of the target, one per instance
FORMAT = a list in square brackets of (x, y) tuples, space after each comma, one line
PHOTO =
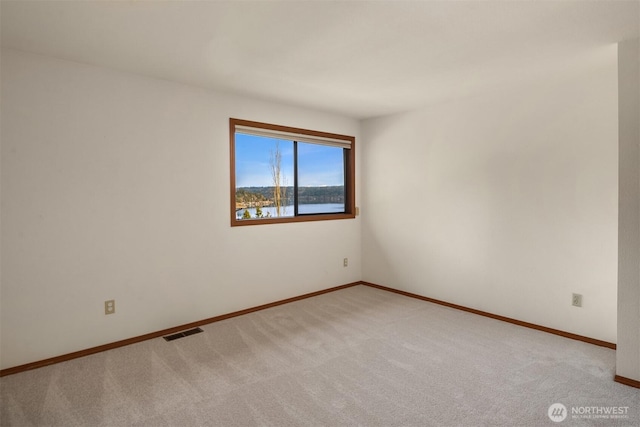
[(356, 58)]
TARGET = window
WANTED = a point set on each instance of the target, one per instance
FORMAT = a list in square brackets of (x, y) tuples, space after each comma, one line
[(283, 174)]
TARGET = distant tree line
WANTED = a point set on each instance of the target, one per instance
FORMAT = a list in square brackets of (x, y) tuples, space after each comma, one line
[(249, 197), (306, 195), (309, 195)]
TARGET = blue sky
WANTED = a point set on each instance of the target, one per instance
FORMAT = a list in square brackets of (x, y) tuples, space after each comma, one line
[(318, 165)]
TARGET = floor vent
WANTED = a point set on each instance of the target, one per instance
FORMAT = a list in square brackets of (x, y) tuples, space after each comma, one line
[(183, 334)]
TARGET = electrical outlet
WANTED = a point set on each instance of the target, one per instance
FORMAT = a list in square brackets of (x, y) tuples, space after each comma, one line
[(110, 306), (345, 262), (576, 300)]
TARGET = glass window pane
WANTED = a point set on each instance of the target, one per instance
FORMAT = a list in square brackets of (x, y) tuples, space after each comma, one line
[(264, 177), (320, 179)]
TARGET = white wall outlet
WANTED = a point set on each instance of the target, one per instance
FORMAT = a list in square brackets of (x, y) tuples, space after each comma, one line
[(110, 306), (345, 262), (576, 300)]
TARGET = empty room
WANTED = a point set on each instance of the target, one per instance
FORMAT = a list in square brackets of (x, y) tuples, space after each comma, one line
[(320, 213)]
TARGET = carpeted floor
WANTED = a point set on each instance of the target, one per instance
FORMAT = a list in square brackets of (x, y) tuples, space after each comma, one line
[(358, 356)]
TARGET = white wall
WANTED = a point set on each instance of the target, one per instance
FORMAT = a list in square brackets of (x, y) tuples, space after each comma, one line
[(628, 352), (116, 186), (505, 202)]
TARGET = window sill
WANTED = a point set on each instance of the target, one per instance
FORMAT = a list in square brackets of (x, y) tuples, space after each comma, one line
[(300, 218)]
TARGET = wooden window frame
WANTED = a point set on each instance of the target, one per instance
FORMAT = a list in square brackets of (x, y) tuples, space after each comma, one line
[(350, 174)]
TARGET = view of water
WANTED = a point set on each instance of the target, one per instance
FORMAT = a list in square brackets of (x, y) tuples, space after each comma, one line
[(302, 209)]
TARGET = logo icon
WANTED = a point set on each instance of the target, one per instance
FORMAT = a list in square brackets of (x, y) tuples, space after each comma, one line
[(557, 412)]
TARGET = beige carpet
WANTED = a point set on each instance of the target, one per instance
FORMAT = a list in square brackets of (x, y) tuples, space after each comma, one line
[(358, 356)]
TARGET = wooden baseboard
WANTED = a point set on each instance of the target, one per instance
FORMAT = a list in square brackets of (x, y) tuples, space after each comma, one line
[(627, 381), (498, 317), (122, 343)]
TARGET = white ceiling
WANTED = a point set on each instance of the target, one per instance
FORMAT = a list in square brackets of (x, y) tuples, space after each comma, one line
[(356, 58)]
